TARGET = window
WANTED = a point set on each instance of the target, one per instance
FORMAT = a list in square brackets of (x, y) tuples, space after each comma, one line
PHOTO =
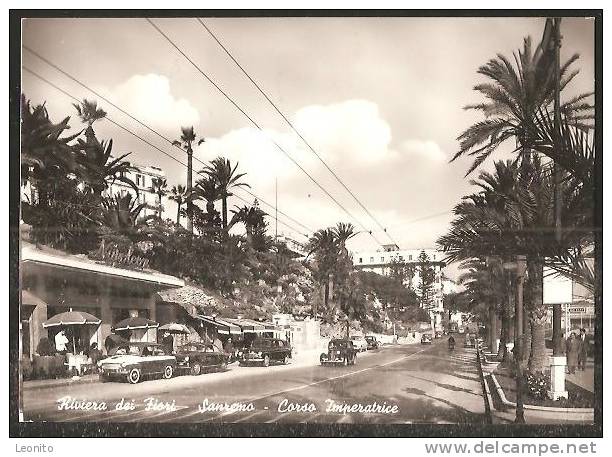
[(410, 257), (382, 259), (360, 260), (371, 259), (401, 258)]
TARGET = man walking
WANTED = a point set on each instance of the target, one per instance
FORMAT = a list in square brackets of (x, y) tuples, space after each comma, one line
[(582, 350)]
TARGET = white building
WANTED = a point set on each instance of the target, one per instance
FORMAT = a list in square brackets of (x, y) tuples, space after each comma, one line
[(382, 261), (143, 177)]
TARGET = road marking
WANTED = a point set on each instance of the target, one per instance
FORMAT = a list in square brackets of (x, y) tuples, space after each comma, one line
[(304, 386)]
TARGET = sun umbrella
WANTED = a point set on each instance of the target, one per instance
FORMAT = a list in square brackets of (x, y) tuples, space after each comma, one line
[(70, 319), (133, 323), (173, 327)]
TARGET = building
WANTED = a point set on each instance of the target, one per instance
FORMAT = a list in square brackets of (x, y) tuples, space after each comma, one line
[(143, 177), (53, 282), (390, 258)]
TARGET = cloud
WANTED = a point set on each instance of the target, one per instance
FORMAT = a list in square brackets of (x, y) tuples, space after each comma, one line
[(424, 149), (149, 98), (352, 130)]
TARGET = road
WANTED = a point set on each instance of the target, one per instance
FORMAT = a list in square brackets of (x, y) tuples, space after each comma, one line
[(395, 384)]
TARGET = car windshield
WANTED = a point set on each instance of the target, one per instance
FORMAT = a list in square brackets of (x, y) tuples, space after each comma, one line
[(337, 344), (261, 343)]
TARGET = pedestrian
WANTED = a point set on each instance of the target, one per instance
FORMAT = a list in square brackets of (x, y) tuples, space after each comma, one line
[(168, 342), (582, 353), (94, 354), (228, 347), (60, 342), (573, 346)]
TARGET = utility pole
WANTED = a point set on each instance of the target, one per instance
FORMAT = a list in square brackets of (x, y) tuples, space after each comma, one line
[(276, 208), (557, 175)]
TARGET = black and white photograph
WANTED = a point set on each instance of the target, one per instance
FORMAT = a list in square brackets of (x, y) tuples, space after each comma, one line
[(341, 219)]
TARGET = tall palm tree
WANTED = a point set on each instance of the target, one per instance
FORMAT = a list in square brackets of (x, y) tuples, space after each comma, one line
[(225, 176), (178, 194), (344, 232), (188, 137), (159, 186), (324, 245), (514, 95)]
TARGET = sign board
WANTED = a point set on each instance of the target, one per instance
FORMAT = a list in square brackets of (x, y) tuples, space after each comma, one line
[(557, 288)]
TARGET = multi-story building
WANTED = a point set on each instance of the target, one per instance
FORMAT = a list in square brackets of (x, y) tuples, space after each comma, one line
[(384, 262), (143, 177)]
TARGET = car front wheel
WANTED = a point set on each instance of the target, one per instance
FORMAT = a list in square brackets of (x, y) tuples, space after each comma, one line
[(134, 376), (286, 360), (266, 361), (168, 372), (345, 362), (196, 369)]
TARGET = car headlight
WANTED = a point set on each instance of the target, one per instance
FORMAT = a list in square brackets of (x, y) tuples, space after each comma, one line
[(187, 359), (259, 354), (123, 364)]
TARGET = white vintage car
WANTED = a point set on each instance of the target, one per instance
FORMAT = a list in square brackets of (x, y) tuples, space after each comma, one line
[(133, 361), (360, 343)]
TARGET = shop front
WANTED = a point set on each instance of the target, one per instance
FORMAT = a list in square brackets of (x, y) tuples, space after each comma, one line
[(53, 283)]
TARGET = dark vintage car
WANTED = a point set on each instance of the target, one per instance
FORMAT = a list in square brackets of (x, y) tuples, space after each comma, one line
[(197, 357), (133, 361), (264, 351), (372, 342), (426, 338), (339, 351)]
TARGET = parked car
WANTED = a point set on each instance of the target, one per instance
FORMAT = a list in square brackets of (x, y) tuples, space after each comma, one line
[(264, 351), (438, 334), (196, 357), (133, 361), (372, 342), (339, 351), (461, 330), (359, 342), (426, 338)]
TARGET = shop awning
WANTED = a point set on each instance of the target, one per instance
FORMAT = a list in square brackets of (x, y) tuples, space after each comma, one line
[(248, 326), (223, 326)]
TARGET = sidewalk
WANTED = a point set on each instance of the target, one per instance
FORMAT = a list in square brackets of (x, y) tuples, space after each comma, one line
[(584, 379)]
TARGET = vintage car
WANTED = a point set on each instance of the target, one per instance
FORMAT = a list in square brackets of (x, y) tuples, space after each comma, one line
[(134, 360), (264, 351), (195, 357), (360, 343), (339, 351), (438, 334), (426, 338), (372, 342)]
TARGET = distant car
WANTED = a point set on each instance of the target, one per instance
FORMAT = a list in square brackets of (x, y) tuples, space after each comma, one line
[(339, 351), (470, 340), (134, 360), (426, 338), (461, 330), (360, 343), (196, 357), (372, 342), (438, 334), (264, 351)]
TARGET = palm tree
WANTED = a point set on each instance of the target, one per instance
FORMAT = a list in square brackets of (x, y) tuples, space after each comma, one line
[(344, 232), (121, 215), (159, 186), (513, 98), (178, 194), (97, 168), (89, 112), (226, 179), (188, 137)]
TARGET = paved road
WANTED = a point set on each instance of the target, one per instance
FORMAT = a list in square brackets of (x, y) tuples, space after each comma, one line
[(396, 384)]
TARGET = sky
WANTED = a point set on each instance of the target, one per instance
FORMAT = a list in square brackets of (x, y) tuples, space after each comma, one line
[(379, 99)]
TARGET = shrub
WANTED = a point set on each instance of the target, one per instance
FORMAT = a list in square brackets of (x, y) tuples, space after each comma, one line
[(537, 385)]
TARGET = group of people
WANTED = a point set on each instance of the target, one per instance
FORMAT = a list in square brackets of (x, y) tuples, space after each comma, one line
[(576, 350)]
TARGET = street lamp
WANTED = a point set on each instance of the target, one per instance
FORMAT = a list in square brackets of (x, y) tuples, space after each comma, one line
[(519, 267)]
